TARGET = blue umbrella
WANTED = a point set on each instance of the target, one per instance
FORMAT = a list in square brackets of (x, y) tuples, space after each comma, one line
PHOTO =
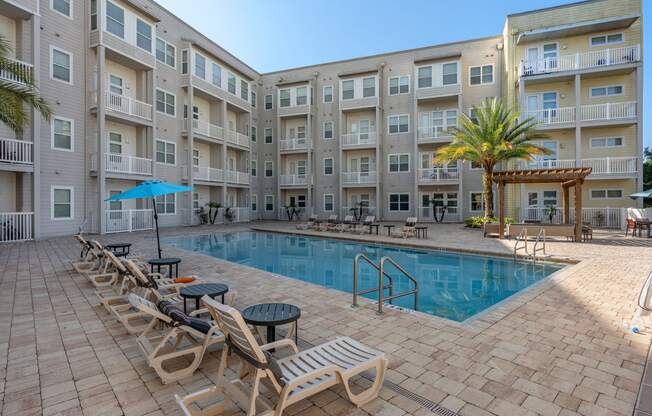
[(644, 194), (151, 189)]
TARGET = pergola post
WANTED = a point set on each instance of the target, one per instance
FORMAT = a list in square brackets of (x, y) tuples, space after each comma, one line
[(578, 210), (501, 210), (566, 202)]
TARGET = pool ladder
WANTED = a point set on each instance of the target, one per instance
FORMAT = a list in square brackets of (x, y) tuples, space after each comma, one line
[(380, 267), (539, 244)]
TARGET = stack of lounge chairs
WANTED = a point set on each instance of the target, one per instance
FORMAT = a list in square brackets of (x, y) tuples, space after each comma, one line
[(408, 229)]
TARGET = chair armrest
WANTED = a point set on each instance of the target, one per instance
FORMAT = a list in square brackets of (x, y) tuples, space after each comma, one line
[(198, 312), (287, 343)]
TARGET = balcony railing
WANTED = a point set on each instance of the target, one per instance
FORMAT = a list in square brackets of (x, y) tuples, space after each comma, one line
[(241, 214), (16, 151), (599, 166), (128, 164), (204, 128), (129, 106), (609, 111), (365, 211), (433, 133), (359, 139), (438, 174), (205, 173), (428, 214), (605, 217), (586, 60), (233, 176), (127, 220), (16, 226), (16, 71), (295, 144), (237, 138), (552, 116), (290, 180), (359, 178)]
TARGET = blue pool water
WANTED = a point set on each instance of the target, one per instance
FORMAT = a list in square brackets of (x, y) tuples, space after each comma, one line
[(451, 285)]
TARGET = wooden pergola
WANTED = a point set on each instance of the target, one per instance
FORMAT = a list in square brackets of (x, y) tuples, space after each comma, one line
[(567, 177)]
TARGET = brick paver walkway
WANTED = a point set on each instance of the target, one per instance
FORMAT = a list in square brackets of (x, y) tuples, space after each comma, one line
[(557, 349)]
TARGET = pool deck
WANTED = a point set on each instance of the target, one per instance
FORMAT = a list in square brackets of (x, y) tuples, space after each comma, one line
[(558, 348)]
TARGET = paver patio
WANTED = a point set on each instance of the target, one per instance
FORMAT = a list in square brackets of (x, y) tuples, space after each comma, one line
[(558, 348)]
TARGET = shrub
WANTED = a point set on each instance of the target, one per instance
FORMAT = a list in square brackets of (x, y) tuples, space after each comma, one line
[(478, 221)]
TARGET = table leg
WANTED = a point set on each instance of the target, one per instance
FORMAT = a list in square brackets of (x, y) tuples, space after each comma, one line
[(185, 307), (197, 303), (223, 298), (151, 268), (271, 334), (296, 332)]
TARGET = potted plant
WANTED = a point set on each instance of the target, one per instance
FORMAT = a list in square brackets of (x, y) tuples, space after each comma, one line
[(358, 208), (212, 215)]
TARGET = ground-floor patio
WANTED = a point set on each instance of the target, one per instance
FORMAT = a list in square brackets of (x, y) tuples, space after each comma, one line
[(558, 348)]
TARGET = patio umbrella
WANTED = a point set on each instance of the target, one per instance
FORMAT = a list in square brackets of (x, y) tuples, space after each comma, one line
[(151, 189), (643, 194)]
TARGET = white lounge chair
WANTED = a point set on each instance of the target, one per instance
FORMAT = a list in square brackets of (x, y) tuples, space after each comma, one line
[(363, 227), (408, 230), (307, 225)]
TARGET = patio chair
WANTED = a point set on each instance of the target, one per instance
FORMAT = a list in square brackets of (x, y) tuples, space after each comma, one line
[(171, 335), (347, 224), (110, 271), (329, 224), (631, 225), (294, 378), (587, 231), (92, 258), (363, 227), (408, 230), (307, 225)]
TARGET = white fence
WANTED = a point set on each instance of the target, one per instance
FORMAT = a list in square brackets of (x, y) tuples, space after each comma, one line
[(129, 106), (294, 144), (599, 166), (289, 180), (16, 71), (427, 133), (205, 173), (233, 176), (585, 60), (608, 111), (359, 178), (237, 138), (358, 139), (126, 220), (16, 226), (552, 116), (16, 151), (428, 214), (597, 217), (435, 175), (128, 164), (205, 128)]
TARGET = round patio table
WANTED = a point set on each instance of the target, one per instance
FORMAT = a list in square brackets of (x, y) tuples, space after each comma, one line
[(119, 249), (170, 262), (388, 228), (272, 314), (198, 291)]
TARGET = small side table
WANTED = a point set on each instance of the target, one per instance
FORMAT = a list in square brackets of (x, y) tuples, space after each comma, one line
[(170, 262), (198, 291), (422, 232), (119, 249), (271, 315), (389, 228), (371, 226)]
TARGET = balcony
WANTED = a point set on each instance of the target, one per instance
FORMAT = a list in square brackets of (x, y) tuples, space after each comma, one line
[(16, 226), (293, 180), (430, 214), (127, 164), (236, 138), (128, 106), (290, 145), (204, 128), (235, 177), (16, 151), (581, 61), (208, 174), (15, 71), (605, 167), (358, 103), (352, 210), (127, 220), (625, 111), (359, 178), (293, 110), (553, 117), (438, 91), (438, 175), (358, 140), (433, 134)]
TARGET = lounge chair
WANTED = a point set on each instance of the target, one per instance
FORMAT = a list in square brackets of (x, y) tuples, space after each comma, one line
[(295, 377), (92, 257), (170, 335), (408, 230), (308, 225), (347, 224), (363, 227), (329, 224)]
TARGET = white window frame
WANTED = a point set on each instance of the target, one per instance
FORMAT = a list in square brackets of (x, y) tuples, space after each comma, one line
[(265, 135), (323, 94), (271, 102), (70, 7), (108, 141), (184, 61), (174, 55), (398, 155), (323, 131), (253, 168), (265, 203), (72, 134), (70, 69), (606, 143), (271, 162), (165, 152), (342, 89), (458, 76), (332, 202), (606, 91), (152, 37), (166, 204), (482, 207), (481, 66), (332, 166), (166, 102), (606, 41), (230, 75), (124, 23), (432, 77), (72, 202), (253, 204), (389, 83), (398, 116), (606, 193), (389, 206), (194, 65), (253, 98)]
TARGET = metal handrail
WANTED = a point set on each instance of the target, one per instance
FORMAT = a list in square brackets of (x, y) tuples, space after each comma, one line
[(415, 291), (541, 237), (356, 293), (522, 236)]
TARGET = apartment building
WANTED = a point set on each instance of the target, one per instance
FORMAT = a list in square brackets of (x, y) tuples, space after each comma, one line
[(138, 94)]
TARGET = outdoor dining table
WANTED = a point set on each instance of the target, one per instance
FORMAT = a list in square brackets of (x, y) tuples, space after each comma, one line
[(198, 291), (271, 315)]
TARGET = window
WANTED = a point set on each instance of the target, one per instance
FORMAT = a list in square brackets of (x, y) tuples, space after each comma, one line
[(399, 163), (549, 198), (115, 19), (253, 99), (115, 143), (284, 98), (441, 199), (479, 75), (165, 103), (269, 137), (399, 202), (269, 102), (62, 6), (328, 94), (347, 89), (269, 168), (606, 193), (328, 130), (328, 166), (399, 124), (328, 202), (143, 35), (425, 77), (254, 202), (253, 133), (60, 69), (477, 201), (195, 157), (369, 87), (475, 165), (165, 152), (244, 90), (166, 52), (399, 85), (62, 133), (606, 91), (269, 202), (449, 73), (301, 132), (301, 201), (231, 83), (601, 40), (62, 203), (195, 201), (254, 168), (200, 66), (166, 204), (605, 142), (302, 96), (184, 61), (93, 14), (216, 73), (115, 84)]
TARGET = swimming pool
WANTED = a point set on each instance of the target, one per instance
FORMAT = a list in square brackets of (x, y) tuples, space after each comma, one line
[(451, 285)]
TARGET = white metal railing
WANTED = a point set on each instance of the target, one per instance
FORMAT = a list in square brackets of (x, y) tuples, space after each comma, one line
[(127, 220), (128, 164), (428, 213), (129, 106), (599, 166), (438, 174), (584, 60), (365, 211), (16, 71), (237, 138), (241, 214), (608, 111), (233, 176), (548, 164), (552, 116), (359, 139), (354, 178), (205, 128), (426, 133), (205, 173), (16, 151), (603, 217), (16, 226), (294, 144), (293, 179)]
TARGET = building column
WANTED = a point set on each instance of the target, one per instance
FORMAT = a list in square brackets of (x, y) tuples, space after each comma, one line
[(191, 145), (379, 155), (36, 128), (309, 162), (341, 162), (225, 128), (578, 124), (101, 138), (639, 132)]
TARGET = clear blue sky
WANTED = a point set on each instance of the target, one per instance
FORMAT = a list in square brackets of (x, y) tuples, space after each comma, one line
[(277, 34)]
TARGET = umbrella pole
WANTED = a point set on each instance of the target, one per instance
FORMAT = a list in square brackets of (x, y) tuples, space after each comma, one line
[(158, 240)]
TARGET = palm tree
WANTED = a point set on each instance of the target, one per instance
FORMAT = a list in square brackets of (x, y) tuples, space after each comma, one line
[(14, 94), (495, 135)]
